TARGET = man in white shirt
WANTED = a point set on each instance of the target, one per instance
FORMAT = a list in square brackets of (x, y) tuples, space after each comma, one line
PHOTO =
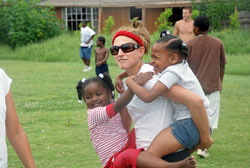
[(87, 34)]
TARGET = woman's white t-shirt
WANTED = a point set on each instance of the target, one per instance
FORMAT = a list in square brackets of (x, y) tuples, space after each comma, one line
[(5, 82), (149, 118)]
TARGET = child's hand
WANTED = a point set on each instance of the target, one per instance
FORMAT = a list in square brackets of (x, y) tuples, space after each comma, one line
[(142, 78), (205, 143), (98, 64)]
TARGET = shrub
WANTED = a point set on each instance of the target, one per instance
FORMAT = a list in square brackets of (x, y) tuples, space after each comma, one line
[(109, 24), (195, 13), (234, 20), (25, 22), (162, 22), (217, 12)]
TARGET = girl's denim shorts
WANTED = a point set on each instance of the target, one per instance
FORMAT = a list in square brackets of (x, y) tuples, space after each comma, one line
[(186, 133)]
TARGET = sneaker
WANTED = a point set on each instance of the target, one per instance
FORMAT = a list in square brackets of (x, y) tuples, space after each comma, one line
[(203, 153), (86, 69), (90, 68)]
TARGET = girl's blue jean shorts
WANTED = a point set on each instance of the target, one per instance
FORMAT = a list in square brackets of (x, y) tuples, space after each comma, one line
[(186, 133)]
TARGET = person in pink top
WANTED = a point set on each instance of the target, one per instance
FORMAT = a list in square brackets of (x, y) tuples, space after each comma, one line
[(113, 144)]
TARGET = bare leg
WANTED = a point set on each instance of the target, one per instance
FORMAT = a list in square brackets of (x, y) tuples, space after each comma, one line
[(87, 62), (147, 160), (84, 61), (164, 143)]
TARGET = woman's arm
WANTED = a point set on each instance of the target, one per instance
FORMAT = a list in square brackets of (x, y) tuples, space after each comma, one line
[(197, 109), (144, 94), (16, 134), (118, 82)]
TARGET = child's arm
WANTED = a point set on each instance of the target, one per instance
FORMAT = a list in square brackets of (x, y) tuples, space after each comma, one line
[(95, 56), (144, 94), (197, 109)]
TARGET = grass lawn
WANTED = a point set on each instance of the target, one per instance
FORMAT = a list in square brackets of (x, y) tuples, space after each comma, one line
[(56, 124)]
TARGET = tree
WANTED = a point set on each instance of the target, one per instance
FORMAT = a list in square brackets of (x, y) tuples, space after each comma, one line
[(162, 22), (109, 24), (24, 22)]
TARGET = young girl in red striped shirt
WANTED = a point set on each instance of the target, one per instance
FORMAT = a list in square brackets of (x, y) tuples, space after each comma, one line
[(109, 129)]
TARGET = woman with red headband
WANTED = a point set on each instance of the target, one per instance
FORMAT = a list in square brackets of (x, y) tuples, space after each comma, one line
[(129, 44)]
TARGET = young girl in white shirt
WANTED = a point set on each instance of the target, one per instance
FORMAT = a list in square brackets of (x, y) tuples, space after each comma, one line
[(169, 60)]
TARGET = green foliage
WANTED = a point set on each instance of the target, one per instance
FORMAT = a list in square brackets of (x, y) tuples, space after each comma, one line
[(234, 20), (162, 22), (89, 24), (24, 22), (109, 24), (195, 13), (217, 12), (243, 5)]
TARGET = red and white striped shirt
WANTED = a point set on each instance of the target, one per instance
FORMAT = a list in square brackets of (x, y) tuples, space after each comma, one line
[(107, 133)]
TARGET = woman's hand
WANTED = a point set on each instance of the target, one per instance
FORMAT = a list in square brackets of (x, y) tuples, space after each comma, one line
[(119, 85)]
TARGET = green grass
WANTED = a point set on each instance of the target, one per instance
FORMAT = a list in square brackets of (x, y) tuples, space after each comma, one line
[(44, 80), (56, 124), (65, 48)]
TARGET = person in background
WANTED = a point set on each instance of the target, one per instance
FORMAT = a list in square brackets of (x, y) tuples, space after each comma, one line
[(87, 34), (207, 60), (101, 56), (10, 126), (184, 28)]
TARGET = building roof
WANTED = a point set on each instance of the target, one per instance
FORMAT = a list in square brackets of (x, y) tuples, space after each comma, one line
[(116, 3)]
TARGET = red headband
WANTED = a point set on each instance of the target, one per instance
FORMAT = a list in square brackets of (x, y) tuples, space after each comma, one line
[(128, 34)]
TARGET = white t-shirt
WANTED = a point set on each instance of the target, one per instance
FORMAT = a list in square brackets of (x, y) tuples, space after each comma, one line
[(86, 34), (5, 82), (182, 75), (149, 118)]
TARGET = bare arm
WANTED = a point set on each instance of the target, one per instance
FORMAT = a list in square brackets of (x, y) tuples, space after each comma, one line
[(144, 94), (222, 63), (90, 39), (176, 29), (123, 100), (197, 109), (126, 120), (16, 134), (222, 71), (126, 97), (95, 57), (118, 82)]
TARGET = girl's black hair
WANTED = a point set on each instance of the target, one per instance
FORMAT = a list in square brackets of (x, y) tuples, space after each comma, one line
[(175, 44), (104, 79)]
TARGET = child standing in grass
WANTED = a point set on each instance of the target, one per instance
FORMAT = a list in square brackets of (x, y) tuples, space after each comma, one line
[(101, 56), (169, 59), (114, 146)]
